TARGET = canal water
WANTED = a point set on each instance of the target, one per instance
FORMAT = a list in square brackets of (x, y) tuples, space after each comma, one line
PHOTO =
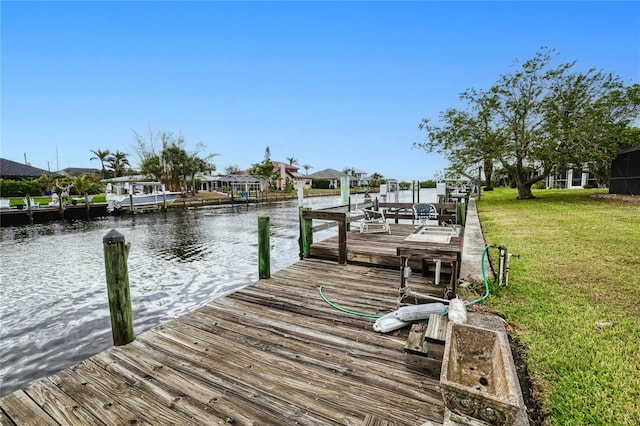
[(54, 309)]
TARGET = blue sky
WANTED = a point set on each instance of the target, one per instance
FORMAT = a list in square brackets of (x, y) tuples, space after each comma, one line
[(333, 84)]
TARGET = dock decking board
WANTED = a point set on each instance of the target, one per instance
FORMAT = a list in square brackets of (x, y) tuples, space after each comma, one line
[(272, 353)]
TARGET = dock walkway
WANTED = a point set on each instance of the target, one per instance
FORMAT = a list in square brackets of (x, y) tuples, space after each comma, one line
[(272, 353)]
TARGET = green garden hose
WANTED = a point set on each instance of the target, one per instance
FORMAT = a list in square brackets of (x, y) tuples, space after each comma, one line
[(333, 305), (473, 302)]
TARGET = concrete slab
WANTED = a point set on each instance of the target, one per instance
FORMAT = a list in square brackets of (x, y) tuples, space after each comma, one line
[(471, 268)]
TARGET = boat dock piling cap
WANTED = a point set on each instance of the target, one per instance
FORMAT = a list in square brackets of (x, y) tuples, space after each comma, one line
[(113, 237)]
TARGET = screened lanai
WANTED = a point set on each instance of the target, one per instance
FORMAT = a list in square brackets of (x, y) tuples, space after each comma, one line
[(234, 184)]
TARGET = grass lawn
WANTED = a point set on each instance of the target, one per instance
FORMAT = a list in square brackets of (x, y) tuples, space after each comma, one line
[(573, 299), (44, 201)]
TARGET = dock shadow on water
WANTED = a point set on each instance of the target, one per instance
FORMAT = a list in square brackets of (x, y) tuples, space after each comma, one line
[(54, 311)]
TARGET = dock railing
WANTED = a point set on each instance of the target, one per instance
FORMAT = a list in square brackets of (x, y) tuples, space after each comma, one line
[(333, 216), (451, 213), (447, 212)]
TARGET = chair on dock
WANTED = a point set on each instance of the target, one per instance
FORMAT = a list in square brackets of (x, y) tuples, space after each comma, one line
[(34, 205), (425, 214), (374, 221)]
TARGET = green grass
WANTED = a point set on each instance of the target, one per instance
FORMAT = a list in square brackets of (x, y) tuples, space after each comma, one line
[(573, 299), (44, 201)]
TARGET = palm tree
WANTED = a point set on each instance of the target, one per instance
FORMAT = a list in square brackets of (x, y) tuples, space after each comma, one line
[(85, 183), (306, 168), (102, 156), (117, 162), (292, 160), (194, 164)]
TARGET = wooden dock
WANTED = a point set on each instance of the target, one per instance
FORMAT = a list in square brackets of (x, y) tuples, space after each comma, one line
[(272, 353)]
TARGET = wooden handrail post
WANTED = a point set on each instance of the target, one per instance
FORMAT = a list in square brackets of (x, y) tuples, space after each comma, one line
[(264, 248), (306, 234), (115, 262), (342, 240)]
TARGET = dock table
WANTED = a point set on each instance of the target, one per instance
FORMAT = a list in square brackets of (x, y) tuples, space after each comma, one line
[(432, 243)]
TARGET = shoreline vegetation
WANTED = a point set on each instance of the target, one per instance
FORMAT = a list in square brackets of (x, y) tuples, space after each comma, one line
[(198, 197), (573, 300)]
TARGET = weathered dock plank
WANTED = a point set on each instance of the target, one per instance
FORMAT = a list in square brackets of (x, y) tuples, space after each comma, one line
[(59, 405), (22, 410), (272, 353)]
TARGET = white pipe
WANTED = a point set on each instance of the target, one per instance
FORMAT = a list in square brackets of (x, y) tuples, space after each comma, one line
[(426, 296)]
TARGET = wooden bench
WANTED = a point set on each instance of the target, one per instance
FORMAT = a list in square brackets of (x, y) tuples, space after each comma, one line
[(425, 345)]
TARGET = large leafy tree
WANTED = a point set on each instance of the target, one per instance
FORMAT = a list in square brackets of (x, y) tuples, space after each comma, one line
[(152, 165), (264, 168), (232, 169), (195, 164), (164, 156), (539, 120), (87, 183)]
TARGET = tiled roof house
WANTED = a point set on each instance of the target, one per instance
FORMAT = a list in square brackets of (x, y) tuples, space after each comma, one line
[(16, 171)]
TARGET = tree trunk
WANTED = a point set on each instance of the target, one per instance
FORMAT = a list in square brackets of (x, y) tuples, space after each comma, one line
[(524, 190), (488, 174), (523, 185)]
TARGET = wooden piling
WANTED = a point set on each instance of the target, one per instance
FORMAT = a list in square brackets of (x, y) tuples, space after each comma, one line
[(61, 203), (344, 190), (342, 240), (29, 208), (300, 195), (86, 205), (115, 262), (264, 248), (306, 234), (461, 213)]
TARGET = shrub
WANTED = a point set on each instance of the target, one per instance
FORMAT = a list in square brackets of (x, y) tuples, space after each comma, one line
[(428, 184), (321, 184), (20, 188)]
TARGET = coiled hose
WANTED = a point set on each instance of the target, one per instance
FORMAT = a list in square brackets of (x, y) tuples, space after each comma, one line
[(473, 302)]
